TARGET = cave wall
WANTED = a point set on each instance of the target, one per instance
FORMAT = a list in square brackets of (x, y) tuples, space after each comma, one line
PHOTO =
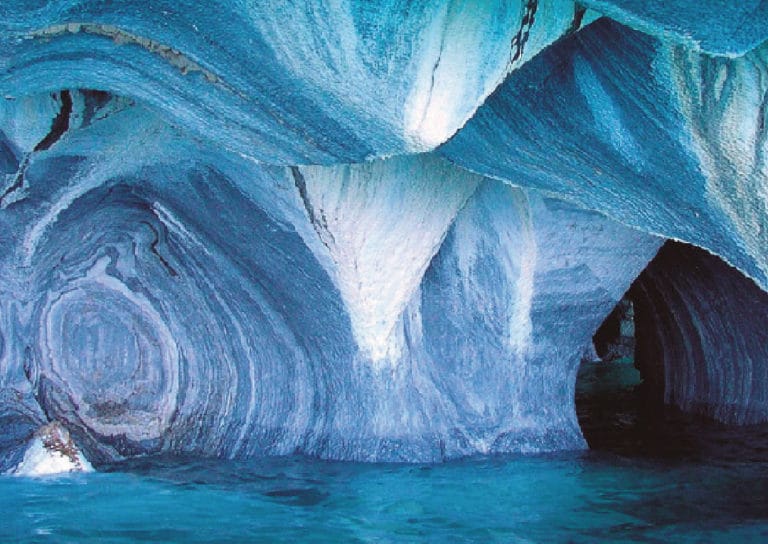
[(159, 295), (701, 343), (256, 228)]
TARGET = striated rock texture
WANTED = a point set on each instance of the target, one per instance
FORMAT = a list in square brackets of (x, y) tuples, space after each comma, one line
[(665, 139), (197, 258), (511, 301), (166, 298), (702, 344), (718, 27), (381, 224), (315, 82)]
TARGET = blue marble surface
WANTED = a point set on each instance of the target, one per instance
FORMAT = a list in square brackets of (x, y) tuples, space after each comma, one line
[(658, 137), (246, 228)]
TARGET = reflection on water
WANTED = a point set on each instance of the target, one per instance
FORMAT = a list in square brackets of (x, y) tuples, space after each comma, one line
[(700, 483)]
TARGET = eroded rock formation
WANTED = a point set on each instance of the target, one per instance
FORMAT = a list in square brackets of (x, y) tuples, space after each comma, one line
[(196, 258), (702, 340), (51, 451)]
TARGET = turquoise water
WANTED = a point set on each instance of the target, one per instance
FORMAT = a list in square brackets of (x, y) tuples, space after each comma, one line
[(662, 479), (564, 498)]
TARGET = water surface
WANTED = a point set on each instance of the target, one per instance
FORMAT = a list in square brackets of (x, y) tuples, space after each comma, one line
[(669, 479)]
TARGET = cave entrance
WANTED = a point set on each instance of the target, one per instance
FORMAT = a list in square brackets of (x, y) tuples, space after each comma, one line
[(679, 369), (620, 383), (609, 392), (614, 341)]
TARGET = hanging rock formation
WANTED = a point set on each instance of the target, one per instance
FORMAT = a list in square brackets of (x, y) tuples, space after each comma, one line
[(658, 137)]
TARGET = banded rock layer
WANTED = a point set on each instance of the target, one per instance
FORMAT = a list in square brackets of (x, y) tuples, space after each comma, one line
[(197, 257)]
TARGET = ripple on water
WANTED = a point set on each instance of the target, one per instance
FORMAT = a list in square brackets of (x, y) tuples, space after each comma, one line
[(567, 497)]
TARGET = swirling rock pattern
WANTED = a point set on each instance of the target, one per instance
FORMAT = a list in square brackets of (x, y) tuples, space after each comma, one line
[(322, 83), (191, 301), (196, 258)]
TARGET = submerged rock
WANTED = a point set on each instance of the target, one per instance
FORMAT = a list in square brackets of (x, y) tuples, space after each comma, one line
[(52, 451)]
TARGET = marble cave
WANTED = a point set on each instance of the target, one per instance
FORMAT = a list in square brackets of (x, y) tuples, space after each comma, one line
[(373, 231)]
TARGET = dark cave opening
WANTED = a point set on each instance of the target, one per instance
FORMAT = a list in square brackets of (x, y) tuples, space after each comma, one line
[(614, 341), (669, 363), (609, 389)]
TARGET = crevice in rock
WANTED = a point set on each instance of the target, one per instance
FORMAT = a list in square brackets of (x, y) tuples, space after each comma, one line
[(435, 67), (517, 46), (59, 126), (153, 248), (320, 225), (578, 18)]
